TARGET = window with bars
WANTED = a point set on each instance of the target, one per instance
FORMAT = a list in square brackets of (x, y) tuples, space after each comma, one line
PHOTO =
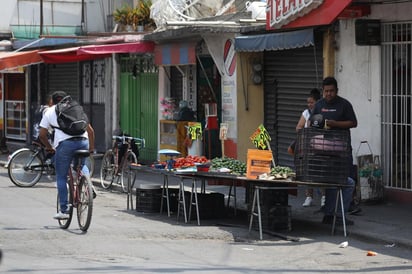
[(396, 104)]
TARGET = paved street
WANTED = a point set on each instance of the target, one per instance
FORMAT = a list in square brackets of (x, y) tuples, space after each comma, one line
[(121, 241)]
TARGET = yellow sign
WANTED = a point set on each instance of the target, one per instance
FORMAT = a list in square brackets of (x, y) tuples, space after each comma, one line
[(260, 138), (195, 130)]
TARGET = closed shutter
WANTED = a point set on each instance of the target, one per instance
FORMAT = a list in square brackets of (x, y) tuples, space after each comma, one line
[(289, 75), (64, 77)]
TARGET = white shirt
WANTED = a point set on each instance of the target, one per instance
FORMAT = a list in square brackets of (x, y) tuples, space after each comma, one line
[(50, 120), (306, 115)]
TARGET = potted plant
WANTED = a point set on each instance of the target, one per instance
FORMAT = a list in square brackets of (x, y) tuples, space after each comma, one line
[(127, 17), (143, 11)]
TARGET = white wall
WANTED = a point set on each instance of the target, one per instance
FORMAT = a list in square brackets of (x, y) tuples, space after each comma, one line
[(7, 11), (358, 75), (358, 71)]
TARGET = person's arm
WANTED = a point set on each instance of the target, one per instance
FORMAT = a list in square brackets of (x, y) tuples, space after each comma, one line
[(90, 133), (340, 124), (301, 123), (44, 140)]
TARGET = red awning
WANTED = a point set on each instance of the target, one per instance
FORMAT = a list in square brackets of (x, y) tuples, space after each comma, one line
[(67, 55), (11, 60), (136, 47), (324, 14), (92, 52)]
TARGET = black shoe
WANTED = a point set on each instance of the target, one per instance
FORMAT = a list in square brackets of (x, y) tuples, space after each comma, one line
[(328, 219), (354, 210), (339, 221)]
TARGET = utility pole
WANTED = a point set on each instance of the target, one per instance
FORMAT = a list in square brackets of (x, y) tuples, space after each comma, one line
[(41, 17)]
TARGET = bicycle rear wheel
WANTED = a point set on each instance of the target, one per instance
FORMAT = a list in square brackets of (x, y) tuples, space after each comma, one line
[(129, 158), (85, 203), (65, 223), (25, 168), (107, 169), (90, 164)]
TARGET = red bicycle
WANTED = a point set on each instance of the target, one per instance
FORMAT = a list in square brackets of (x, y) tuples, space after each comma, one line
[(80, 194)]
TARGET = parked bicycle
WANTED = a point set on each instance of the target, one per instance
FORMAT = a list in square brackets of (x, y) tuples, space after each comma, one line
[(27, 165), (80, 194), (116, 161)]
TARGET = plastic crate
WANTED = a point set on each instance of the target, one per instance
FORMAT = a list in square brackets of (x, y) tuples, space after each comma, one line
[(275, 218), (148, 198), (323, 155)]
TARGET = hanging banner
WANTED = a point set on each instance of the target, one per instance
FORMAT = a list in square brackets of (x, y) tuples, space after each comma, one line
[(261, 138), (195, 130)]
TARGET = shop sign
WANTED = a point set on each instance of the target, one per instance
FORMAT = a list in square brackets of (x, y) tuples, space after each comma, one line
[(282, 12), (229, 57), (261, 138), (195, 130), (223, 131)]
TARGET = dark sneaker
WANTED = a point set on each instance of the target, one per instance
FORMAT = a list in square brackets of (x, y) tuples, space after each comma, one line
[(354, 210), (328, 219)]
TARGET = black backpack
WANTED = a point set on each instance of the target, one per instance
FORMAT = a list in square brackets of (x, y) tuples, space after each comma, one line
[(71, 117)]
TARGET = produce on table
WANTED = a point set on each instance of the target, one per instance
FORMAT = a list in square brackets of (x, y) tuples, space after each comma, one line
[(282, 172), (235, 166)]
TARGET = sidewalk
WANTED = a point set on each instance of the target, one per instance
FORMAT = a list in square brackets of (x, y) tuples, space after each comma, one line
[(385, 223)]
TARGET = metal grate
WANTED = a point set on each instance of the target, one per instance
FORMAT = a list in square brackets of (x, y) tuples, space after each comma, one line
[(396, 104)]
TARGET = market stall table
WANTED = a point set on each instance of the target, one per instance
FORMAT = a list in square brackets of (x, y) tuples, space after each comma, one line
[(233, 181)]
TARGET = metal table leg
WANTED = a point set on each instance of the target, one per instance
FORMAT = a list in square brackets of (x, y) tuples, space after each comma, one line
[(339, 197), (195, 203), (165, 189), (181, 200), (130, 185), (256, 200)]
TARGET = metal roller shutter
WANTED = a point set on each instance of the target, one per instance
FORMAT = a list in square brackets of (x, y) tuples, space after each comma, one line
[(289, 76), (64, 77)]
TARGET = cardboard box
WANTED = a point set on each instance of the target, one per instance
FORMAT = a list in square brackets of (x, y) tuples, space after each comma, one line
[(258, 162)]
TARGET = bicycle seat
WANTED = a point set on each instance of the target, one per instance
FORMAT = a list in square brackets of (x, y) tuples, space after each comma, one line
[(82, 153)]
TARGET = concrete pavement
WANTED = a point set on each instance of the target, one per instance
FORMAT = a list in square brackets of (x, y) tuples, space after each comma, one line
[(386, 223)]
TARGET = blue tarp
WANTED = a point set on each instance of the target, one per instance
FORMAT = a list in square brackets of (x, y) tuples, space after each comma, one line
[(275, 41)]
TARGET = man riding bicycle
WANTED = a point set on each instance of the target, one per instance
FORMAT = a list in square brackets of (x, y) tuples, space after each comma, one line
[(64, 146)]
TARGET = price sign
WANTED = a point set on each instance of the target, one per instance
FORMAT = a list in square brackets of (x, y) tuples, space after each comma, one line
[(223, 131), (260, 138), (195, 130)]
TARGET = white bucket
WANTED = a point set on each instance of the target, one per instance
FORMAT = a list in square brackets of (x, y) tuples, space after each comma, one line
[(258, 9)]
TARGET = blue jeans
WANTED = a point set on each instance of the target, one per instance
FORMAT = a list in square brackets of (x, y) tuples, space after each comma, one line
[(63, 158), (330, 198)]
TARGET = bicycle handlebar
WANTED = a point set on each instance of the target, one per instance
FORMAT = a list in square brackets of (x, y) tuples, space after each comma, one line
[(125, 138)]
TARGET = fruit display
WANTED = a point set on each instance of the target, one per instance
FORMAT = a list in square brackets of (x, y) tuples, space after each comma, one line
[(228, 164)]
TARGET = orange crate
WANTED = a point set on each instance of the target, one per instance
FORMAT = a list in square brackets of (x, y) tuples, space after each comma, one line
[(258, 162)]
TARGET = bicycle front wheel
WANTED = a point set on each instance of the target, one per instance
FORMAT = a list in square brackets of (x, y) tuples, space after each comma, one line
[(65, 223), (107, 169), (25, 168), (85, 203), (129, 158)]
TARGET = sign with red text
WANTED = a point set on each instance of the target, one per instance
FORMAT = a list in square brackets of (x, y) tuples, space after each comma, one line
[(282, 12)]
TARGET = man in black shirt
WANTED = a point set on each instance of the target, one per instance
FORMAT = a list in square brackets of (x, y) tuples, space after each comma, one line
[(337, 113)]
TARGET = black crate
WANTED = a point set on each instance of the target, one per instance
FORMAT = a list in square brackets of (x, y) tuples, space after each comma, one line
[(274, 218), (268, 197), (148, 198), (211, 205), (173, 199), (322, 155)]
